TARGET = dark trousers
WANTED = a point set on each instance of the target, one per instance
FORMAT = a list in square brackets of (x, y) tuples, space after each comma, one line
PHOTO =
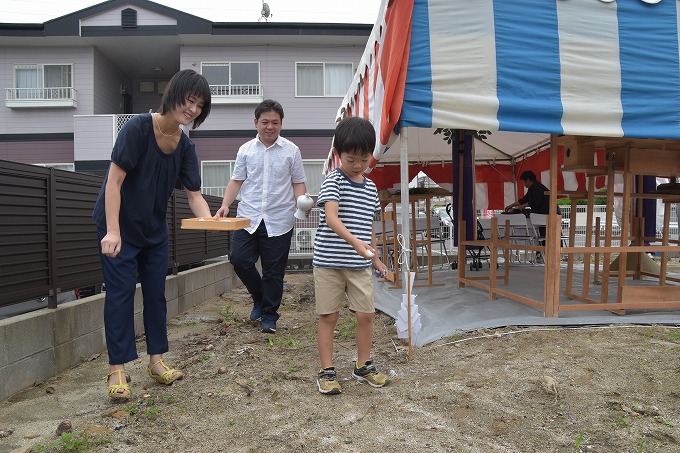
[(266, 289), (120, 277)]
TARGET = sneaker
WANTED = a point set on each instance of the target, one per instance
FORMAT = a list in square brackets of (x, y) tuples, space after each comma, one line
[(327, 381), (267, 327), (255, 314), (369, 374)]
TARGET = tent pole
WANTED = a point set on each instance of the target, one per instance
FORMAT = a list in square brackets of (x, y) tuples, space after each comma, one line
[(551, 281), (406, 226)]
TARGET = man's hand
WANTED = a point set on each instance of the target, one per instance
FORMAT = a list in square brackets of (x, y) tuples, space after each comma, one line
[(111, 244), (222, 212)]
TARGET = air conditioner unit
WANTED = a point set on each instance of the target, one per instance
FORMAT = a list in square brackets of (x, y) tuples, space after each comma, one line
[(304, 239)]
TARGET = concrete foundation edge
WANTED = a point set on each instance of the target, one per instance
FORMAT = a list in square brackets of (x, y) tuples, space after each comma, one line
[(41, 344)]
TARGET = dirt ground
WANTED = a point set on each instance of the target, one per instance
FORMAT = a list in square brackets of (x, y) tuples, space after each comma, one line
[(597, 389)]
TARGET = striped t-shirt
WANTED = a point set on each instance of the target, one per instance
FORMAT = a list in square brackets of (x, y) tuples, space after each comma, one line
[(357, 204)]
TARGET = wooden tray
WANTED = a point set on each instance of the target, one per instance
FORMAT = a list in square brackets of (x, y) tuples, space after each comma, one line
[(224, 224)]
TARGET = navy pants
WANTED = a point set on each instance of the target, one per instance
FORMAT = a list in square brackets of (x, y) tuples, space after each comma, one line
[(120, 277), (266, 289)]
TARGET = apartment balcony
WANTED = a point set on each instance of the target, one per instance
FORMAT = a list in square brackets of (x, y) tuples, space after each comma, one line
[(19, 98), (236, 94)]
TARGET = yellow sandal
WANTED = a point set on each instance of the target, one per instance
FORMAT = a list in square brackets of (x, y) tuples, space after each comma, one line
[(167, 377), (126, 394)]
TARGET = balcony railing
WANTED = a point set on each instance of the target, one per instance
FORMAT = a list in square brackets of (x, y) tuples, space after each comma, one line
[(40, 97), (236, 94)]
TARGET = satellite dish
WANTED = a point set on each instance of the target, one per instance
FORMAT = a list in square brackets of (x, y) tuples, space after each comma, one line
[(266, 12)]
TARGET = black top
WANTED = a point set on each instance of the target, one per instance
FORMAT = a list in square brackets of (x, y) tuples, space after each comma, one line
[(150, 179), (538, 198)]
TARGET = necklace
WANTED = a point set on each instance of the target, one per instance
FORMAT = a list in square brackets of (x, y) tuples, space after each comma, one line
[(161, 131)]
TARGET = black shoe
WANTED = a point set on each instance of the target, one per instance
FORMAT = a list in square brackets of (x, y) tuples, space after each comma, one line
[(255, 314), (267, 327)]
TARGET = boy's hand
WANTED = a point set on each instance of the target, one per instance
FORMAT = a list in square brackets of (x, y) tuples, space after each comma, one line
[(381, 271), (379, 267), (364, 250)]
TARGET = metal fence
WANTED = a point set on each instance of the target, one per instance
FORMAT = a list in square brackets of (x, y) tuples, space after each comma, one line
[(48, 240)]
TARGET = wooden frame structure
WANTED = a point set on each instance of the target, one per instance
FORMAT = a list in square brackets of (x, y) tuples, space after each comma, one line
[(633, 159)]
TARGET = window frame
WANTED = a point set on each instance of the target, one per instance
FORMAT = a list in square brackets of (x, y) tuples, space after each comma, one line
[(232, 162), (65, 95), (228, 64), (323, 63)]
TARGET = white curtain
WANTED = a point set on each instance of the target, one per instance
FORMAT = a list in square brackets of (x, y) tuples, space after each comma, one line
[(310, 79), (215, 176), (338, 79), (314, 174)]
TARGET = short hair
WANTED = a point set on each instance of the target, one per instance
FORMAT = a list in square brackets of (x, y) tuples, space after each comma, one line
[(354, 135), (528, 175), (183, 84), (268, 105)]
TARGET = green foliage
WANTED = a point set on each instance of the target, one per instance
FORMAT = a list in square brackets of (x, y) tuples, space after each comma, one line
[(642, 443), (623, 422), (597, 200), (152, 413), (75, 441), (227, 312), (131, 409), (674, 336), (347, 329), (281, 341), (579, 440), (450, 134)]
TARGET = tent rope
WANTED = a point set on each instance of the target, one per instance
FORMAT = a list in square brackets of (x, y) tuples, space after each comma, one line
[(402, 254)]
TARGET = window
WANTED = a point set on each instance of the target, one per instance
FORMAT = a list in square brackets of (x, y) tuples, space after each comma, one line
[(215, 175), (233, 78), (323, 79), (314, 174), (44, 81)]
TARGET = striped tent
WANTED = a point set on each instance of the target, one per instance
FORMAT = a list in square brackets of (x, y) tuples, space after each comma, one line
[(522, 69)]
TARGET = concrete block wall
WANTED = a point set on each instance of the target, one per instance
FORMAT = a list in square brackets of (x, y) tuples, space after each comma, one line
[(39, 345)]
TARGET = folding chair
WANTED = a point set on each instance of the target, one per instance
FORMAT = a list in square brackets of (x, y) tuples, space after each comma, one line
[(520, 232), (478, 252)]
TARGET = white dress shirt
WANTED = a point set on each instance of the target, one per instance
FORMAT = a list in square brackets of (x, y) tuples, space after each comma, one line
[(268, 175)]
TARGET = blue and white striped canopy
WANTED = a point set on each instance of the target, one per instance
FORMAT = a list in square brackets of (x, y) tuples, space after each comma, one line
[(583, 67)]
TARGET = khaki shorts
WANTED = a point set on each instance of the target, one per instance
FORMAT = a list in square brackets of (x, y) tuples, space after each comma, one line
[(331, 286)]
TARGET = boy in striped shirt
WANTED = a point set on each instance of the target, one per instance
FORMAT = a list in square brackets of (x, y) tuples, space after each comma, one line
[(345, 252)]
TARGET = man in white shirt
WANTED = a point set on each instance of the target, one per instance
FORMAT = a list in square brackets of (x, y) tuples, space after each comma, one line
[(269, 176)]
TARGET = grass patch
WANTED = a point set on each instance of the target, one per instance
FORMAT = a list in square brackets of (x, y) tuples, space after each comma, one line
[(623, 422), (674, 335), (75, 441), (284, 342), (453, 338), (347, 328), (152, 413), (202, 358), (131, 409), (227, 313), (579, 440)]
